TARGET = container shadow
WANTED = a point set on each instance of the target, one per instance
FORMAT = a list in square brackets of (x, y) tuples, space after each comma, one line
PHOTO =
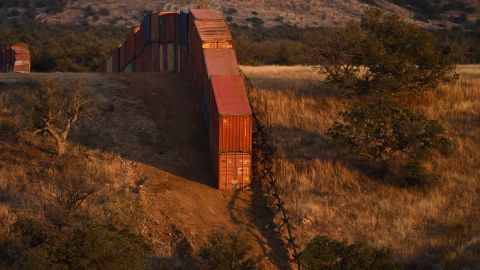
[(260, 225)]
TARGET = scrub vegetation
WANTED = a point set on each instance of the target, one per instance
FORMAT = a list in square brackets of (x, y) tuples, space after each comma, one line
[(335, 195)]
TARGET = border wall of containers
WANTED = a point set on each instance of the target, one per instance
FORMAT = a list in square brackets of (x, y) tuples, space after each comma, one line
[(15, 58), (198, 45)]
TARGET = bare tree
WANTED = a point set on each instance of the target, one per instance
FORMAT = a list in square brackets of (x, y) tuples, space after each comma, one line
[(58, 106)]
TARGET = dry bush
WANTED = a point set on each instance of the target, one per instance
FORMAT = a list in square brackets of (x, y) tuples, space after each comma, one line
[(328, 195)]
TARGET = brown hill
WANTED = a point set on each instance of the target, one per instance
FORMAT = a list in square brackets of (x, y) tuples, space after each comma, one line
[(431, 13)]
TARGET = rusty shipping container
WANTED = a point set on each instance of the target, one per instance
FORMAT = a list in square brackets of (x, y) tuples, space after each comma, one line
[(212, 34), (139, 43), (233, 170), (155, 27), (155, 57), (147, 58), (115, 61), (147, 29), (183, 18), (230, 116), (169, 27), (130, 48), (138, 63), (109, 65), (121, 57), (16, 58), (215, 62)]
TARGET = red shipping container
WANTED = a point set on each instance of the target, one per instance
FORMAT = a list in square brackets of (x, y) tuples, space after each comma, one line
[(169, 27), (147, 58), (138, 65), (130, 48), (230, 115), (199, 15), (212, 34), (218, 62), (183, 56), (138, 41), (155, 57), (233, 170), (121, 58), (155, 27)]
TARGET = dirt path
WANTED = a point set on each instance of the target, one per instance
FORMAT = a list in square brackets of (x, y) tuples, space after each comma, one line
[(182, 205)]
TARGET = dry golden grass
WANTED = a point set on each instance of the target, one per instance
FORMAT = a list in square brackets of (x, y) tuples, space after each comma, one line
[(431, 227)]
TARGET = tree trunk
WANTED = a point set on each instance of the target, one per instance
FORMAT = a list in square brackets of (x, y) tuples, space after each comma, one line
[(62, 147)]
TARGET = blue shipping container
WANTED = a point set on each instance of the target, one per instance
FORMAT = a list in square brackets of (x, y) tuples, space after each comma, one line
[(147, 29), (183, 28)]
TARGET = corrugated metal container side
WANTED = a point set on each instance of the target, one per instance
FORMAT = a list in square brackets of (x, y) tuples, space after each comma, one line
[(172, 56), (147, 58), (130, 47), (129, 68), (155, 25), (121, 58), (115, 61), (218, 62), (156, 57), (183, 28), (233, 170), (230, 115), (168, 27), (197, 72), (212, 34), (139, 43), (162, 56), (138, 64), (147, 29), (109, 65)]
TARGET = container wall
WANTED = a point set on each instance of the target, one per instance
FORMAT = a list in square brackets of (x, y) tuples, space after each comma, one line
[(139, 42), (230, 115), (147, 58), (233, 170), (183, 28), (121, 58), (147, 29), (155, 25), (109, 65), (139, 62), (169, 27), (115, 61), (156, 57), (129, 68), (130, 48)]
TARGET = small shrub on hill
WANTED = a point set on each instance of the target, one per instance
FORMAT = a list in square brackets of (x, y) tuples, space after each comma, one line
[(86, 246), (227, 252), (323, 253)]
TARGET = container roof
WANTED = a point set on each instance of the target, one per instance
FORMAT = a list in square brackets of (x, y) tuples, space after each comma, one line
[(221, 62), (213, 31), (230, 95)]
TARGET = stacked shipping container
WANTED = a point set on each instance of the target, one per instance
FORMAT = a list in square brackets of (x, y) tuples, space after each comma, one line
[(15, 58), (198, 45)]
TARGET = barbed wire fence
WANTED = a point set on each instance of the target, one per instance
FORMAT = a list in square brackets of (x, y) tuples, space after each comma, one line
[(262, 172)]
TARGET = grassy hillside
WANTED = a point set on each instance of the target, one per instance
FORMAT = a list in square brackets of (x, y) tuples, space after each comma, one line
[(440, 13), (330, 194)]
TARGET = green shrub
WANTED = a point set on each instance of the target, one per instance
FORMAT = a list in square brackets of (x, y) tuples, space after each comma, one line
[(323, 253), (227, 252), (382, 53), (380, 131), (87, 246)]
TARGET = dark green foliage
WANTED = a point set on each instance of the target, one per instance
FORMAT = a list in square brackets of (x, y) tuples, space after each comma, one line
[(322, 253), (383, 132), (87, 246), (381, 53), (72, 48), (227, 252)]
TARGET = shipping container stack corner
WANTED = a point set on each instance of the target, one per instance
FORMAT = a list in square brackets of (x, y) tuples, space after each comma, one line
[(197, 44), (15, 58)]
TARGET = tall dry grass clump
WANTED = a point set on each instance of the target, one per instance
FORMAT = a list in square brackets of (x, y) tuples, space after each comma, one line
[(329, 194)]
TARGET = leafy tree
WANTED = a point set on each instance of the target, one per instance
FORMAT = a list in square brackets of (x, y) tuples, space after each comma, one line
[(227, 252), (322, 253), (382, 53), (380, 131)]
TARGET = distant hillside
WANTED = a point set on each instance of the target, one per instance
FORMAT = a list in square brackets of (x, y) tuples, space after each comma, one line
[(430, 13)]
